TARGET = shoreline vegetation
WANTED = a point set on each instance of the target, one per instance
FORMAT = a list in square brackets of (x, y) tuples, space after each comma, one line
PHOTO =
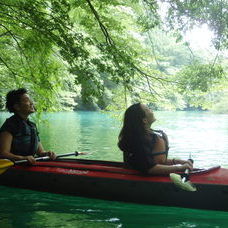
[(94, 108), (70, 101)]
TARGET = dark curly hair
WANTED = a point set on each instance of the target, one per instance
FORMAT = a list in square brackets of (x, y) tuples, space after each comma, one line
[(13, 97)]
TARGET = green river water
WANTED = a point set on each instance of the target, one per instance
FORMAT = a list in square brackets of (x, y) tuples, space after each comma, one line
[(201, 134)]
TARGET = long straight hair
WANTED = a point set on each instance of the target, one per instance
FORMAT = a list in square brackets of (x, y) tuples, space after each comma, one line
[(133, 130)]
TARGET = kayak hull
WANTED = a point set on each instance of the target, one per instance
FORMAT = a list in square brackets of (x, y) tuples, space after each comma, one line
[(110, 181)]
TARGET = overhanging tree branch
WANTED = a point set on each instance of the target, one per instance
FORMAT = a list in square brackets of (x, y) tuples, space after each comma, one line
[(113, 45), (7, 66)]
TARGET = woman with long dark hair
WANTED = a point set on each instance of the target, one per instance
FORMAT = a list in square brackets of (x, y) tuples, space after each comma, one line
[(145, 149)]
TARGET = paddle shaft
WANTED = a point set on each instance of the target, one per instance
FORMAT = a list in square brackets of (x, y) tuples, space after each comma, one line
[(47, 157), (186, 172)]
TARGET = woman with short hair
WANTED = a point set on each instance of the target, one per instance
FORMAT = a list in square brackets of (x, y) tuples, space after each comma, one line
[(19, 139)]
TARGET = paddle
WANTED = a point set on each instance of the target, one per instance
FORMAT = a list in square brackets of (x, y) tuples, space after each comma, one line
[(5, 163), (183, 181)]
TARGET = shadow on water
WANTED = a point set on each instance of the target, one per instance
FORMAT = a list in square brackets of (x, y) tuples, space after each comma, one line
[(31, 209)]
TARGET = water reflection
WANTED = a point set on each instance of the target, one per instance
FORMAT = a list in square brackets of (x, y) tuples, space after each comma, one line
[(202, 134), (39, 209), (91, 132)]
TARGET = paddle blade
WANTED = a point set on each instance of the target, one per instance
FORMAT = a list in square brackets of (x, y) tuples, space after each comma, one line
[(5, 164), (177, 180)]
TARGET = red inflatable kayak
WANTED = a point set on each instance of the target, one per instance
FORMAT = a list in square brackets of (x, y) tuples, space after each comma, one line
[(110, 180)]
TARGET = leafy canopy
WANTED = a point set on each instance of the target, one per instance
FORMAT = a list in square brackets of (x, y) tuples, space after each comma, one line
[(42, 42)]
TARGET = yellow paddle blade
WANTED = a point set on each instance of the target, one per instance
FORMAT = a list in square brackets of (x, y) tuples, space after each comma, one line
[(5, 163), (177, 180)]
